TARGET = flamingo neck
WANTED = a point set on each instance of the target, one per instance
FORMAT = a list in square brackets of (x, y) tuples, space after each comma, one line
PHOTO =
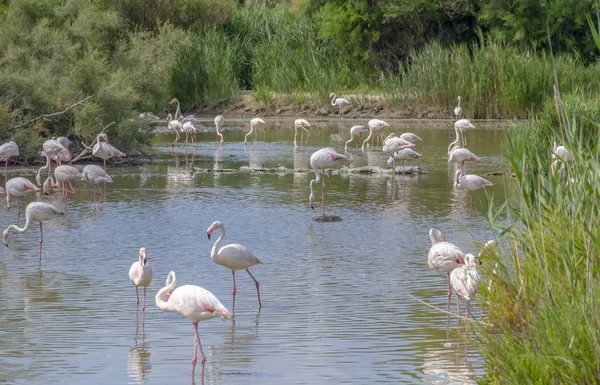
[(368, 137), (162, 304), (333, 100), (21, 229), (455, 143), (215, 248), (177, 112), (251, 130), (316, 180)]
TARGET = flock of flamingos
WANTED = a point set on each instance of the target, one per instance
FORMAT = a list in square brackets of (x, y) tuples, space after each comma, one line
[(198, 304)]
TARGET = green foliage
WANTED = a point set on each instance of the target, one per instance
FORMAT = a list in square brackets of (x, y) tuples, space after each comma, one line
[(263, 95)]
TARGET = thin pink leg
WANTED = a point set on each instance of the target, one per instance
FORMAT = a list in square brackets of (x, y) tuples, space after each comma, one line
[(144, 303), (323, 195), (41, 241), (449, 292), (95, 204), (458, 308), (5, 168), (233, 292), (257, 288), (137, 296), (18, 210), (471, 208)]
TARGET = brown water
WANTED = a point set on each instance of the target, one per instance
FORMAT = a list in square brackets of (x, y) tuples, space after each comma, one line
[(339, 301)]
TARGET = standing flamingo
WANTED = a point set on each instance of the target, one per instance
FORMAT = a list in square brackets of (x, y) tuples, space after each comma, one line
[(194, 303), (105, 150), (303, 124), (96, 175), (464, 280), (175, 125), (355, 133), (392, 144), (410, 137), (335, 101), (219, 121), (461, 155), (470, 182), (8, 150), (189, 127), (233, 256), (66, 173), (404, 154), (460, 126), (255, 122), (458, 110), (325, 158), (35, 211), (375, 125), (444, 255), (140, 274), (16, 188)]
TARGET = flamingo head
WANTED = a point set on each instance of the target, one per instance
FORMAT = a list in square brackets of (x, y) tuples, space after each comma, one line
[(215, 225), (471, 261), (458, 175), (490, 247), (5, 237), (311, 199), (256, 121), (143, 257), (301, 123), (173, 101)]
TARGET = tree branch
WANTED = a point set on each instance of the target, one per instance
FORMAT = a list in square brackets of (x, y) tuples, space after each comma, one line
[(45, 116), (88, 149)]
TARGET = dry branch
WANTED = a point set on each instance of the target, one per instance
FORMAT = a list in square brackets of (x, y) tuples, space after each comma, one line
[(45, 116)]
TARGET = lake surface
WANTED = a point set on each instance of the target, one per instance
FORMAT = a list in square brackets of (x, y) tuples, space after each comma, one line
[(339, 299)]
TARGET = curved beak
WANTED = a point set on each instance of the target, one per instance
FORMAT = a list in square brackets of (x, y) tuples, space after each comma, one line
[(208, 235)]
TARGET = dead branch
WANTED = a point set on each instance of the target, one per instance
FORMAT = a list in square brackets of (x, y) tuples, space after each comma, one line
[(45, 116)]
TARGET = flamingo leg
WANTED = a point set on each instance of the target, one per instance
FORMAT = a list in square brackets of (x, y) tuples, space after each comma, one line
[(295, 135), (197, 344), (458, 308), (257, 287), (449, 292), (41, 241), (104, 163), (264, 135), (95, 201), (471, 208), (323, 196), (302, 138), (144, 303), (307, 135), (18, 210), (233, 293), (137, 296), (103, 192), (5, 168)]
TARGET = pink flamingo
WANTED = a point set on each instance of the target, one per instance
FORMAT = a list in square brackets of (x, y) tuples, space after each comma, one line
[(16, 188), (304, 125), (253, 123), (458, 110), (410, 137), (194, 303), (444, 255), (470, 182), (355, 133), (35, 211), (219, 121), (460, 155), (460, 126), (175, 123), (105, 150), (394, 144), (404, 154), (464, 280), (8, 150), (341, 102), (233, 256), (96, 175), (66, 173), (140, 274), (325, 158), (375, 125)]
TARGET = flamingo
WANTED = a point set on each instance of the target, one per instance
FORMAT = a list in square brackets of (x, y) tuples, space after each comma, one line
[(319, 161), (464, 280), (66, 173), (189, 127), (35, 211), (52, 148), (560, 154), (219, 120), (355, 133), (17, 187), (470, 182), (65, 142), (444, 255), (335, 101), (140, 274), (255, 122), (233, 256), (461, 155), (458, 110), (375, 125), (96, 175), (8, 150), (410, 137), (392, 144), (175, 125), (303, 124), (405, 153), (105, 150), (460, 126), (194, 303)]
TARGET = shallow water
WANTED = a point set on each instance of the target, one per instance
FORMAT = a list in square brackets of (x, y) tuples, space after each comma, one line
[(339, 299)]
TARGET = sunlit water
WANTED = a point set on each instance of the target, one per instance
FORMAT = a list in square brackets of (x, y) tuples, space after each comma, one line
[(339, 299)]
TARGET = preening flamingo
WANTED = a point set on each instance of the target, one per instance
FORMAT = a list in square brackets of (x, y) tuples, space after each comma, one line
[(96, 175), (461, 155), (303, 124), (325, 158), (38, 212), (445, 256), (140, 274), (460, 126), (194, 303), (410, 137), (219, 121), (341, 102), (189, 127), (8, 150), (375, 125), (233, 256), (105, 150), (355, 133), (392, 144), (65, 174), (458, 110), (464, 280), (255, 122), (16, 188), (470, 182)]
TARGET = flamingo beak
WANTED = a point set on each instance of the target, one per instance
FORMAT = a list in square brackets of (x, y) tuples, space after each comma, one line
[(5, 244), (208, 235)]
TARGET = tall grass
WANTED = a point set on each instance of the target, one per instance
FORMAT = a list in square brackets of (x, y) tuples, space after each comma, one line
[(543, 302)]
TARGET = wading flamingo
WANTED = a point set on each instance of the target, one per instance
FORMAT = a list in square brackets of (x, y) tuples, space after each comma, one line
[(105, 150), (375, 125), (392, 144), (233, 256), (174, 123), (38, 212), (356, 132), (219, 121), (410, 137), (194, 303), (140, 274), (8, 150), (304, 125), (189, 127), (325, 158), (464, 280), (335, 101), (255, 122), (461, 155), (470, 182), (66, 173), (404, 154), (444, 255), (96, 175), (460, 126), (16, 188), (53, 151), (458, 110)]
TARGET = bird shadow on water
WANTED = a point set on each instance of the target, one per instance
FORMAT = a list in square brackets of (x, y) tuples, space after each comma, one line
[(138, 363)]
